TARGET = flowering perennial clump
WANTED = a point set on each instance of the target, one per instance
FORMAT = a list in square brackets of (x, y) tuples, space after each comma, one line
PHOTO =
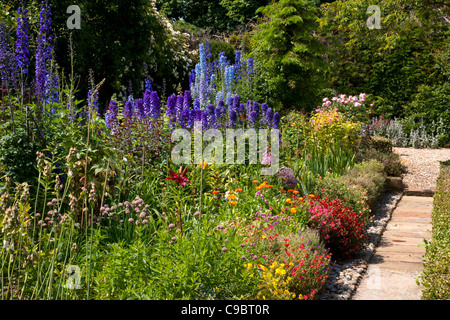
[(340, 227)]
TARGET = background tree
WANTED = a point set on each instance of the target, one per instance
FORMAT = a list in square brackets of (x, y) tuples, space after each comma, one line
[(391, 62), (118, 40), (290, 53)]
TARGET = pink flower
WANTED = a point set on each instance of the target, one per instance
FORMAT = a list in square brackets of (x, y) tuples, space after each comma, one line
[(371, 104), (357, 104), (335, 99)]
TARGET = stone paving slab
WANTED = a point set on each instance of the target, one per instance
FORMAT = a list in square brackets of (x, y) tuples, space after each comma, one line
[(397, 262)]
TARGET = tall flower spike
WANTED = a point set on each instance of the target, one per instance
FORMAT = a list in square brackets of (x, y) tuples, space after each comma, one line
[(22, 52), (269, 117), (7, 69), (155, 105), (128, 109), (139, 103)]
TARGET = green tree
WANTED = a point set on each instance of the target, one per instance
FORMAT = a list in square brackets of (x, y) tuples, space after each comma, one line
[(213, 15), (117, 40), (290, 53), (391, 62)]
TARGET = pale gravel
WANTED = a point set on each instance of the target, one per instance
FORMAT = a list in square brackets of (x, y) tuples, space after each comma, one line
[(423, 166)]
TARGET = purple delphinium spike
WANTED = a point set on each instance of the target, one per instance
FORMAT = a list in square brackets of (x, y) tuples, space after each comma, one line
[(155, 105), (236, 103), (276, 121), (198, 114), (187, 99), (111, 114), (250, 66), (184, 118), (171, 109), (44, 58), (180, 101), (253, 118), (139, 104), (232, 118), (7, 69), (190, 123), (210, 111), (128, 109), (22, 52), (269, 117), (147, 102), (197, 103), (205, 123)]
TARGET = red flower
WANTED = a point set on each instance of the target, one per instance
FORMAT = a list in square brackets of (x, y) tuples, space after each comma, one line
[(179, 178)]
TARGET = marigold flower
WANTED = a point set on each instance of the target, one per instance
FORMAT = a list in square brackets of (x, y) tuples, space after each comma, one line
[(293, 210), (238, 190), (215, 192), (233, 203), (255, 181), (289, 200), (232, 196)]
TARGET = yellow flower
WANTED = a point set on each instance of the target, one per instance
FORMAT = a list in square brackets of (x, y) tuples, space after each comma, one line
[(264, 236), (293, 210), (232, 196), (289, 200)]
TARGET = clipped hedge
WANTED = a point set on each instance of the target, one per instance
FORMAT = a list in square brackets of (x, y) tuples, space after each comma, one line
[(436, 261)]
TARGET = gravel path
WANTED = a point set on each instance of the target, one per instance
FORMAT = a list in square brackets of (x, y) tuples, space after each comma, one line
[(423, 166)]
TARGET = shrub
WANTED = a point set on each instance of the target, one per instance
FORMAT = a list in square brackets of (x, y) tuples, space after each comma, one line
[(436, 261), (341, 228), (331, 128), (370, 176), (382, 144)]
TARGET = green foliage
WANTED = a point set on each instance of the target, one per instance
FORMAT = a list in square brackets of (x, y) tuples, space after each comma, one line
[(435, 277), (391, 62), (117, 40), (381, 144), (18, 156), (290, 53), (216, 15), (429, 105), (369, 175)]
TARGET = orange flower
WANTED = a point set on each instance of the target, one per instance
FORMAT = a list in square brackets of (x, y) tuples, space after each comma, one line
[(290, 190), (293, 210), (284, 191), (238, 190), (295, 191), (215, 192), (233, 203), (289, 200), (255, 181), (232, 196)]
